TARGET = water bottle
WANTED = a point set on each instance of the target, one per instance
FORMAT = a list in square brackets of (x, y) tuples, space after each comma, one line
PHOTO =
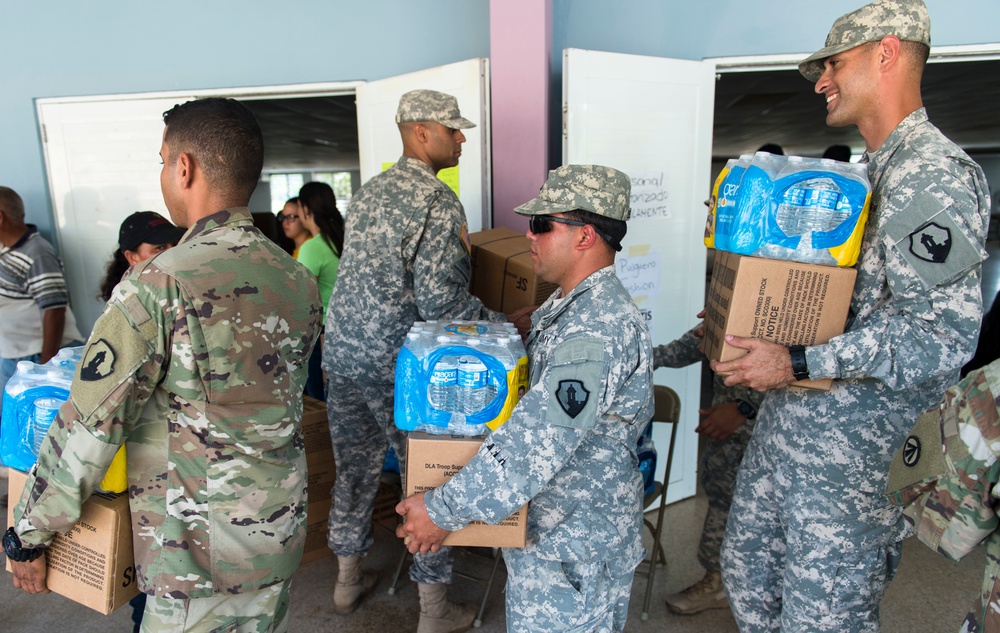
[(841, 213), (45, 410), (788, 211), (818, 204), (472, 379), (444, 381)]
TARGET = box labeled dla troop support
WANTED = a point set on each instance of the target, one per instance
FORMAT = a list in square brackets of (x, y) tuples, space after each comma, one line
[(787, 302), (502, 271), (431, 460), (93, 564)]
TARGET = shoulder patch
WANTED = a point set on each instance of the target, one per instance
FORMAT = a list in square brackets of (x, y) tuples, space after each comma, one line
[(575, 383), (98, 361), (572, 396)]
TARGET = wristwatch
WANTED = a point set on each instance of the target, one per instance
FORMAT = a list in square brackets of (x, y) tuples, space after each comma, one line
[(799, 368), (746, 409), (12, 547)]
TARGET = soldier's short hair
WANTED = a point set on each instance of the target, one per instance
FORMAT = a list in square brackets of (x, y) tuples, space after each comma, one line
[(11, 205), (613, 229), (224, 138)]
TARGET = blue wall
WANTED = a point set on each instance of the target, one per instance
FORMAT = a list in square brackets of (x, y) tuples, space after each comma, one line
[(55, 48), (88, 47)]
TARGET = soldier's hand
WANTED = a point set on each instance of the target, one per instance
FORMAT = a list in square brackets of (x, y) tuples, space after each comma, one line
[(521, 318), (700, 330), (30, 576), (766, 365), (720, 421), (418, 532)]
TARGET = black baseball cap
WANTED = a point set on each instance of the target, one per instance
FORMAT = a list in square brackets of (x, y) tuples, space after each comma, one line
[(147, 227)]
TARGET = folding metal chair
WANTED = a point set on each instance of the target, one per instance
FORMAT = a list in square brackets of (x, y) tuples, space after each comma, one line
[(667, 410)]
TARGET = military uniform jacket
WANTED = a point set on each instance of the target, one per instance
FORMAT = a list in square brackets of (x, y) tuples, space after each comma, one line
[(956, 509), (569, 446), (198, 365), (913, 322), (406, 259)]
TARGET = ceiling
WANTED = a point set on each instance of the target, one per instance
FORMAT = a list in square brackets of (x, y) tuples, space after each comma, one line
[(751, 109)]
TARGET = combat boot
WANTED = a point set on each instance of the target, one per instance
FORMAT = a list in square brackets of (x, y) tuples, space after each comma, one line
[(352, 584), (437, 615), (705, 594)]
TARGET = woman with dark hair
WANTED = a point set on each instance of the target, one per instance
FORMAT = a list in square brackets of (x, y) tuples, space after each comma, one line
[(142, 235), (320, 254), (292, 225)]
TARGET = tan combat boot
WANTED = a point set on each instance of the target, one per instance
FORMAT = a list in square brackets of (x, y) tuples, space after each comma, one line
[(705, 594), (352, 584), (437, 615)]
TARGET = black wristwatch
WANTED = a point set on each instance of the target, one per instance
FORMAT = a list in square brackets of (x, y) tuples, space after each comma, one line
[(746, 409), (12, 547), (799, 368)]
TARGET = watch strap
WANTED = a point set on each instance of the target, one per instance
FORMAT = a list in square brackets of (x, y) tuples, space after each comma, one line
[(799, 368), (746, 409), (12, 548)]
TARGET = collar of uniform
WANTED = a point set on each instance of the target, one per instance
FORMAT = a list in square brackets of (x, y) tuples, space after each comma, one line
[(552, 309), (234, 216), (879, 158), (415, 164), (32, 229)]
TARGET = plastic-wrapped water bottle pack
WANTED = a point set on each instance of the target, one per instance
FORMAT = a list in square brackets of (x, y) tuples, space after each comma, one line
[(810, 210), (459, 377)]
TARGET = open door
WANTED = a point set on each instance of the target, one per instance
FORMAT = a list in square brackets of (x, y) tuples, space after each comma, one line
[(652, 118), (380, 145)]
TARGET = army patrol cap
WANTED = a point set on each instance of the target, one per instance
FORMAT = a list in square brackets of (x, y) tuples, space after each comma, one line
[(431, 105), (906, 19), (601, 190)]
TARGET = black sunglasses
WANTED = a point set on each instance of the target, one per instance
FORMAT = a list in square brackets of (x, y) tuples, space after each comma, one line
[(539, 224)]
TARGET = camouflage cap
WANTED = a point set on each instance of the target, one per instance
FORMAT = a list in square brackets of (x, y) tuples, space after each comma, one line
[(601, 190), (431, 105), (906, 19)]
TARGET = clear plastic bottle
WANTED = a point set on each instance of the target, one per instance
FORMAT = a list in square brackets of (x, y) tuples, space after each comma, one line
[(788, 211), (819, 201), (43, 414), (444, 381), (472, 379)]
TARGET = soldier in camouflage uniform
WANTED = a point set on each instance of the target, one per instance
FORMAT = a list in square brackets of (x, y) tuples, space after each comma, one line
[(946, 476), (197, 365), (726, 427), (569, 445), (406, 259), (812, 542)]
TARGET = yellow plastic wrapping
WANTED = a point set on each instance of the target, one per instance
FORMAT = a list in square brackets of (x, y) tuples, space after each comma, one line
[(116, 479)]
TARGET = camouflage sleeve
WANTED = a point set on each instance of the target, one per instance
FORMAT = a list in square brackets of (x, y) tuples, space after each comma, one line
[(930, 323), (121, 365), (442, 268), (521, 457), (680, 352)]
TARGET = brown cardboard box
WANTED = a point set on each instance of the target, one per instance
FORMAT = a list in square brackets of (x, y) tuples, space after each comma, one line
[(782, 301), (317, 517), (502, 275), (319, 451), (93, 564), (434, 459)]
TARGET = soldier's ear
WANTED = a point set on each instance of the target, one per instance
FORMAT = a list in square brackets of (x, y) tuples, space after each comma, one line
[(185, 169)]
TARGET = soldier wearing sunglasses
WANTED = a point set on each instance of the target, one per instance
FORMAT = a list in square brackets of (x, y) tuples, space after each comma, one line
[(569, 445)]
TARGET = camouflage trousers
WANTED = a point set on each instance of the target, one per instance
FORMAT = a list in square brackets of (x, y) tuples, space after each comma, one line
[(361, 430), (803, 555), (719, 467), (565, 597), (263, 611)]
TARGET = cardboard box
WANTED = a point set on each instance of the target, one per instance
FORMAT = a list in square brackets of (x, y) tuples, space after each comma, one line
[(317, 519), (502, 271), (782, 301), (93, 564), (319, 451), (434, 459)]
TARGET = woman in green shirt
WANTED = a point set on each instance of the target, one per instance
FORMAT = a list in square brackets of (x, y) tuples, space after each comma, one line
[(320, 254)]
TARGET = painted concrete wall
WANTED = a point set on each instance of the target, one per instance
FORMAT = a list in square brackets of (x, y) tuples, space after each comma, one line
[(84, 47)]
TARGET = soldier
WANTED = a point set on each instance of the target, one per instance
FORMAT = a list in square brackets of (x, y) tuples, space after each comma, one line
[(406, 259), (727, 427), (575, 461), (812, 542), (946, 476), (204, 350)]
